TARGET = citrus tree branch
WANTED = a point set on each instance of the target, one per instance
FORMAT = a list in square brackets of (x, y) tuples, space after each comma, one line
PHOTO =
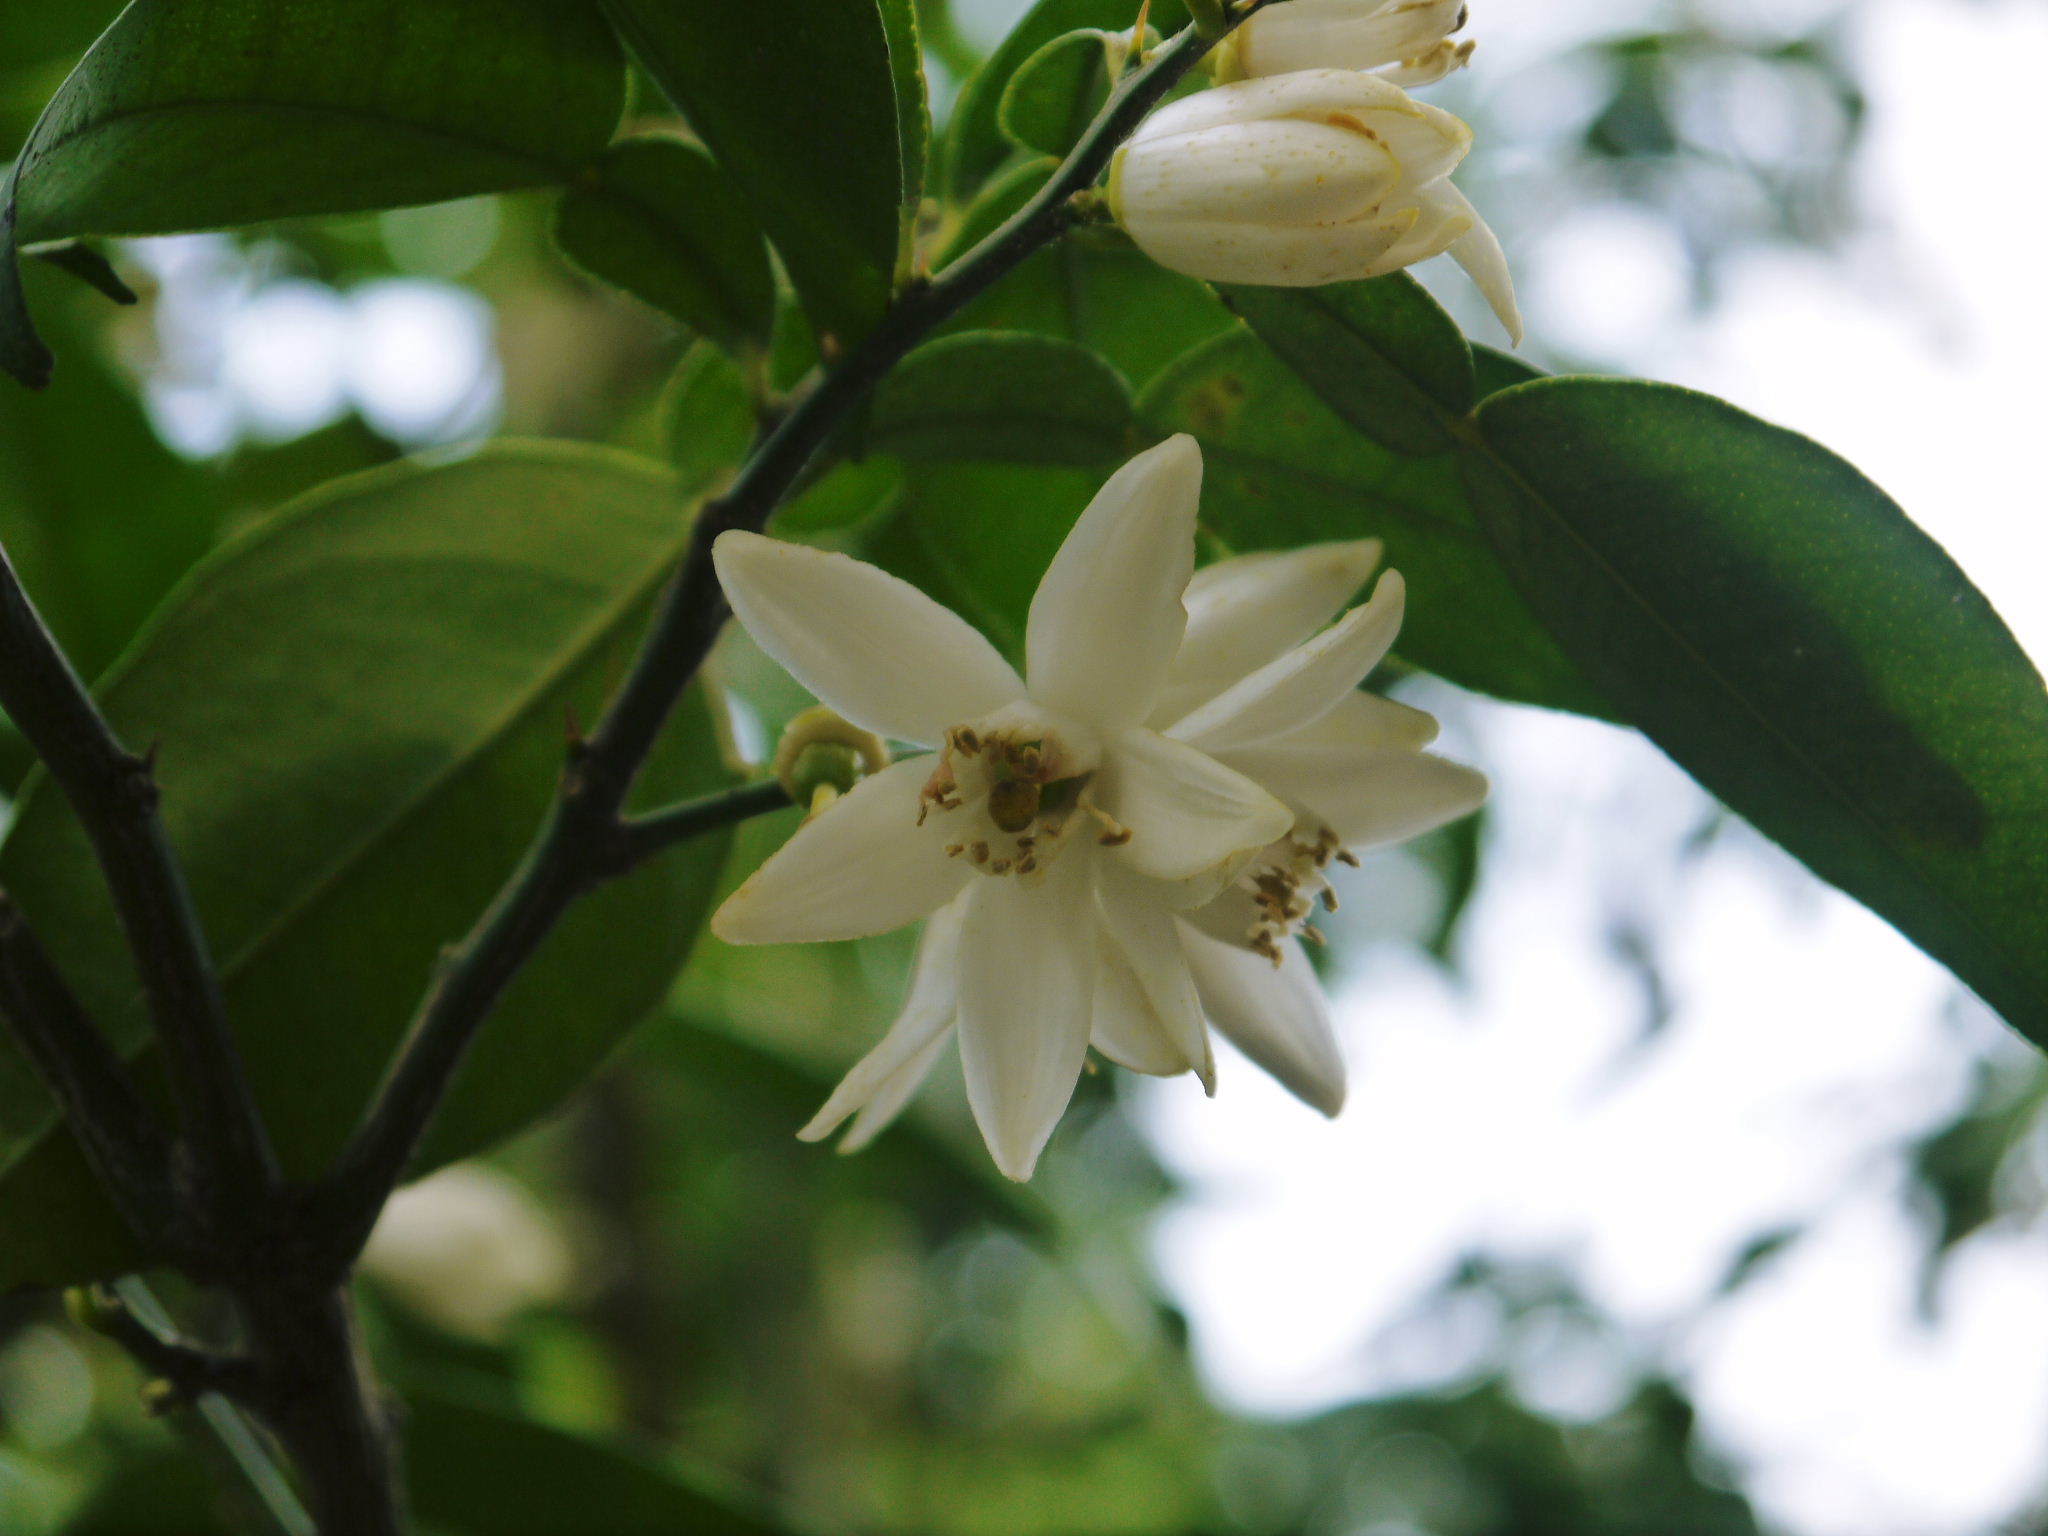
[(580, 844)]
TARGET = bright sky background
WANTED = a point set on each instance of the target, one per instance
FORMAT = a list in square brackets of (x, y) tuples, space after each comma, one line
[(1809, 1039)]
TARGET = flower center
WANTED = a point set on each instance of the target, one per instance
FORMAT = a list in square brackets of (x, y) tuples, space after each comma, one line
[(1286, 882), (1012, 793)]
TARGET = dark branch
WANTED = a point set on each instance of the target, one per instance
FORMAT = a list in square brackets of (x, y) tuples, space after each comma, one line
[(116, 1130), (186, 1371), (570, 855), (640, 838), (114, 795)]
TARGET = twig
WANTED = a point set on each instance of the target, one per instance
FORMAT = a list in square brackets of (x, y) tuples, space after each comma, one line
[(185, 1372), (568, 857), (114, 795), (640, 838), (115, 1129)]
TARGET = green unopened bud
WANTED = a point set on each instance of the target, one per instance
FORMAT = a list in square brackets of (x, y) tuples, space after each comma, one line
[(822, 756)]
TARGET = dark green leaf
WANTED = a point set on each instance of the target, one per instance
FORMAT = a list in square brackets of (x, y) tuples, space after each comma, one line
[(913, 108), (1282, 469), (189, 114), (360, 711), (656, 217), (1382, 354), (798, 101), (478, 1467), (1002, 396), (975, 145), (1056, 92), (1775, 622)]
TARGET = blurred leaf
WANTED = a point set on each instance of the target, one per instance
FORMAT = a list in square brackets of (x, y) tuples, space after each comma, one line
[(710, 418), (797, 100), (1283, 470), (1056, 92), (655, 217), (842, 497), (1381, 354), (478, 1468), (1955, 1169), (1454, 854), (1003, 396), (1773, 621), (975, 145), (190, 114), (360, 712)]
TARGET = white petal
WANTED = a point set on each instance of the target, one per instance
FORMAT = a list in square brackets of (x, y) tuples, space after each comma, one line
[(1107, 619), (1310, 94), (1373, 798), (1343, 34), (1478, 252), (1186, 812), (1125, 1028), (867, 643), (1275, 1015), (1252, 609), (1273, 256), (1305, 684), (893, 1093), (862, 866), (1027, 988), (891, 1069), (1360, 722), (1440, 223), (1147, 940), (1279, 172)]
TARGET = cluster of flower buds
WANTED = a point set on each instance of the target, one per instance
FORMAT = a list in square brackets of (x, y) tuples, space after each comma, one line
[(1312, 164)]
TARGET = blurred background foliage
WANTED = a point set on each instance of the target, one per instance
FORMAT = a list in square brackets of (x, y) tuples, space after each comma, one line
[(661, 1312)]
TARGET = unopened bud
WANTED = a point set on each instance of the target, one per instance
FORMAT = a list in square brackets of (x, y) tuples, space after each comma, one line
[(822, 756)]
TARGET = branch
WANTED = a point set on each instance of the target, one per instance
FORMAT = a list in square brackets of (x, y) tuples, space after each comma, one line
[(114, 795), (572, 851), (640, 838), (183, 1372), (120, 1137)]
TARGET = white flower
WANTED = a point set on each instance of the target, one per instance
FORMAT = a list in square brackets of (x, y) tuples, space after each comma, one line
[(470, 1249), (1296, 180), (1405, 41), (1262, 687), (1067, 822)]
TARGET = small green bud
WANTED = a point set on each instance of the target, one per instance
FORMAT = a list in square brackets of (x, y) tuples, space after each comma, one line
[(822, 756)]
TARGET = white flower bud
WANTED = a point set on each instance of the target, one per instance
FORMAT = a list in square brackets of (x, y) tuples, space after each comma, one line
[(1320, 176), (1409, 35)]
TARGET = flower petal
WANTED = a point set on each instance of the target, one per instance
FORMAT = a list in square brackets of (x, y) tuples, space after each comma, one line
[(1311, 94), (1349, 34), (1125, 1028), (1107, 618), (867, 643), (1278, 1016), (1373, 798), (891, 1069), (861, 866), (1027, 987), (1280, 172), (1252, 609), (1146, 939), (1186, 812), (892, 1093), (1360, 722), (1272, 256), (1305, 684), (1478, 252)]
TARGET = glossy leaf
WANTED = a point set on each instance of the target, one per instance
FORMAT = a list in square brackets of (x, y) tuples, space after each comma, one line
[(1057, 92), (1382, 354), (191, 114), (655, 217), (975, 144), (480, 1467), (1775, 622), (1008, 397), (913, 113), (1282, 469), (359, 712), (797, 99)]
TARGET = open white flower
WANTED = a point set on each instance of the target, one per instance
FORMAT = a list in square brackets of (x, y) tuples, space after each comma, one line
[(1154, 951), (1071, 826), (1405, 41), (1296, 180)]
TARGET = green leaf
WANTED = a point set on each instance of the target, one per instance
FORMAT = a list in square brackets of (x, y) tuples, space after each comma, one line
[(191, 114), (913, 114), (709, 419), (975, 145), (798, 100), (1774, 622), (359, 712), (656, 217), (1382, 354), (1282, 469), (1056, 92), (477, 1466), (1002, 396)]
